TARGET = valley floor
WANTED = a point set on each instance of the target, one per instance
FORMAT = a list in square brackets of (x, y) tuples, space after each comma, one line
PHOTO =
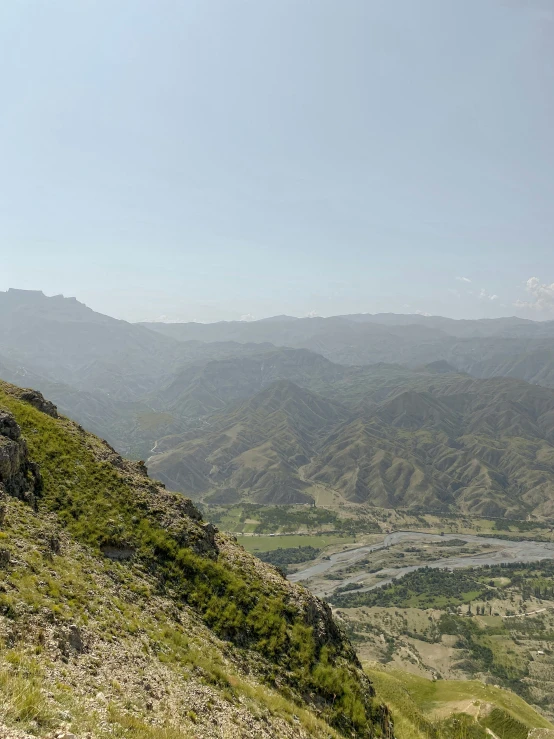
[(491, 618)]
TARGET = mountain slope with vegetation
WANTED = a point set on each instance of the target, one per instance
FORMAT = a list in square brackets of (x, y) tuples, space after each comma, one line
[(433, 439), (99, 370), (428, 436), (256, 446), (122, 613), (428, 709), (134, 384)]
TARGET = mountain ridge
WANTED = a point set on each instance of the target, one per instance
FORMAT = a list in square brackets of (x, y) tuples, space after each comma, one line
[(485, 446), (448, 442)]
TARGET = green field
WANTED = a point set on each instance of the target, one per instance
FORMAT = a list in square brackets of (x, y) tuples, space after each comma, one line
[(269, 543)]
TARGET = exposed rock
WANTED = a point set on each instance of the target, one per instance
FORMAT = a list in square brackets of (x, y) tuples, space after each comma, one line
[(54, 544), (117, 553), (9, 427), (36, 399), (4, 557), (186, 507), (2, 503), (71, 640), (75, 639), (210, 530), (19, 476)]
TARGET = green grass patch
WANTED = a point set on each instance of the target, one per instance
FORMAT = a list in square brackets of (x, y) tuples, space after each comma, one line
[(270, 543), (431, 709)]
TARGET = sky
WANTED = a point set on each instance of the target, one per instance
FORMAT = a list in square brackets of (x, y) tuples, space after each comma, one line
[(223, 159)]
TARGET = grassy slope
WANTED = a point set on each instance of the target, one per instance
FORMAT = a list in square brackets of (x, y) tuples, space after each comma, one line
[(147, 669), (99, 500), (424, 708), (268, 543)]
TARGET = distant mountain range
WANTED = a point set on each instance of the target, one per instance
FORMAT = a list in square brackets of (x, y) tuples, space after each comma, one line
[(510, 347), (394, 410)]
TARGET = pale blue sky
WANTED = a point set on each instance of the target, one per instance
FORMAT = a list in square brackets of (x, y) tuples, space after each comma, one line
[(210, 159)]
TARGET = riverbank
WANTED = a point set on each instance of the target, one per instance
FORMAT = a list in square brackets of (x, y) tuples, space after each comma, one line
[(355, 566)]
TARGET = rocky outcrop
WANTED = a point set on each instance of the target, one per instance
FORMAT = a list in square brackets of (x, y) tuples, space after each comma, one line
[(19, 476), (33, 397), (36, 399), (71, 640), (175, 513)]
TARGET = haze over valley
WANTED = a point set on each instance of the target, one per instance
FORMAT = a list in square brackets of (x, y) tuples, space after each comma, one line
[(394, 411), (276, 369)]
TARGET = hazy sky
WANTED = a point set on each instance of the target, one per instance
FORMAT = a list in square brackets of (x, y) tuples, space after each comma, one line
[(211, 159)]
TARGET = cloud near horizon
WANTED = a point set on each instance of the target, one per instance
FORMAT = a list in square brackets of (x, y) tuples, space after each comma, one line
[(542, 296)]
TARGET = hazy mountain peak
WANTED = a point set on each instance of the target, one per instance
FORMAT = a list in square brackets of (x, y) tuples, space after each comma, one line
[(56, 307), (440, 367), (282, 317), (280, 392), (16, 291)]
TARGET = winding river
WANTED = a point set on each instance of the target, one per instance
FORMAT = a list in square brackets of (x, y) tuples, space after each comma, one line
[(504, 551)]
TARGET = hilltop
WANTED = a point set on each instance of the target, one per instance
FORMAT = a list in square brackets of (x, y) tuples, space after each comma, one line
[(123, 613)]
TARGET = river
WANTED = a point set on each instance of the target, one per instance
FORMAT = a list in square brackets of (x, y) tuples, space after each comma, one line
[(505, 551)]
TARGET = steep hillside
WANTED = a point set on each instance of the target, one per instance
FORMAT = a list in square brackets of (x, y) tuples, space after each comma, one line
[(485, 447), (434, 439), (530, 360), (134, 384), (99, 370), (204, 387), (123, 614), (61, 336), (255, 447)]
